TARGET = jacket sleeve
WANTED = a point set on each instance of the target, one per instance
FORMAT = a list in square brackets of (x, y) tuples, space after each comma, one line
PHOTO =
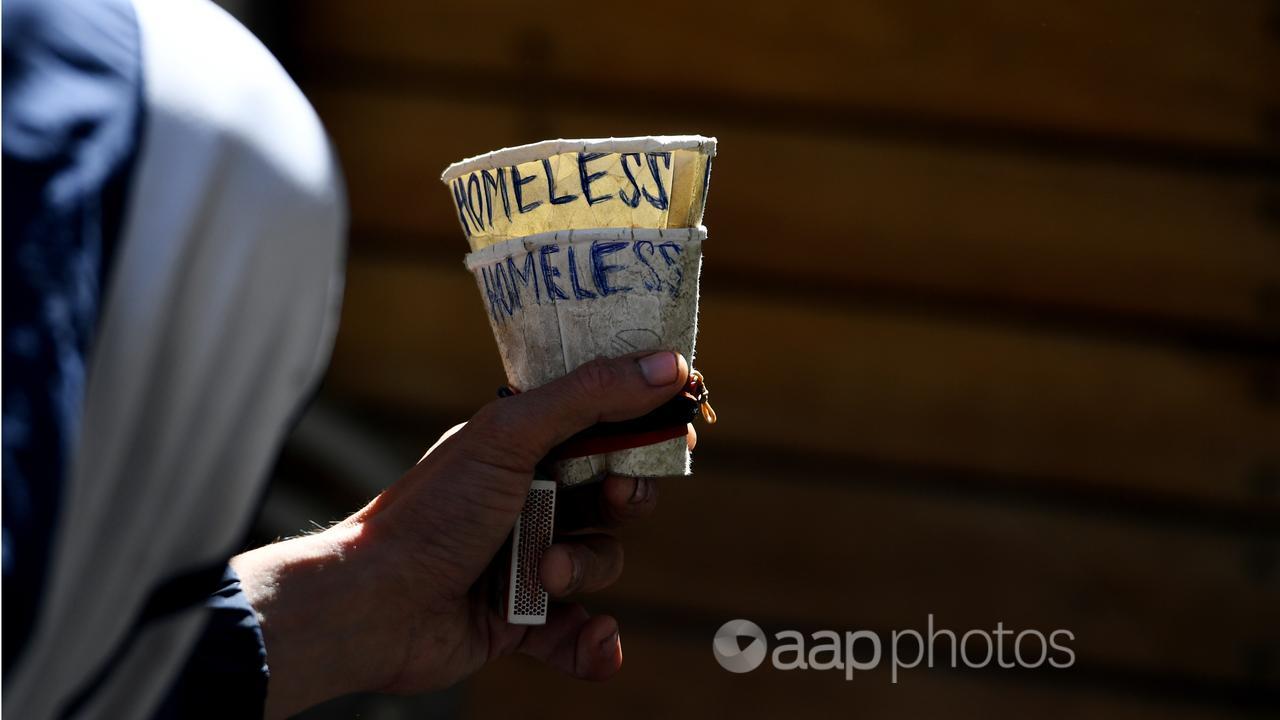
[(227, 673)]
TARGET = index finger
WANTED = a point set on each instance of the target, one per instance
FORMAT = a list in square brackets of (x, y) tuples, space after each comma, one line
[(527, 426), (616, 500)]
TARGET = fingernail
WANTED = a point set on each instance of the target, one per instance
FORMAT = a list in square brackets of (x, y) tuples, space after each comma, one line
[(609, 643), (575, 571), (660, 368), (640, 492)]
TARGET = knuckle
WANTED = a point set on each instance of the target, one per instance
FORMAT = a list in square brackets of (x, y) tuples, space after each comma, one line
[(641, 501), (562, 569), (485, 425), (490, 437), (487, 417), (643, 508), (614, 564), (607, 556), (601, 566), (597, 377)]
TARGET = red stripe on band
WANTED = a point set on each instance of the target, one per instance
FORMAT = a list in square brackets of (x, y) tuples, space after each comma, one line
[(582, 447)]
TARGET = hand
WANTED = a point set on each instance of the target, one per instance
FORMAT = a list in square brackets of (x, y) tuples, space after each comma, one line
[(397, 598)]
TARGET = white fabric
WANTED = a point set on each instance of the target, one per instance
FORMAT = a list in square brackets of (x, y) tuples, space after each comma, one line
[(219, 318)]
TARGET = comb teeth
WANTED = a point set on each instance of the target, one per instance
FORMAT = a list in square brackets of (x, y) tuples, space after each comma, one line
[(526, 600)]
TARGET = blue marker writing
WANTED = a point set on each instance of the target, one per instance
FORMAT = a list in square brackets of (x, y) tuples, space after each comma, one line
[(551, 186), (517, 185), (528, 278), (460, 197), (587, 178), (473, 198), (600, 268), (579, 292), (634, 200), (656, 282), (661, 201), (551, 272)]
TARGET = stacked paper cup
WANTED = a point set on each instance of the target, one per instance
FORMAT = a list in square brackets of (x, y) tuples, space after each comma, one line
[(583, 249)]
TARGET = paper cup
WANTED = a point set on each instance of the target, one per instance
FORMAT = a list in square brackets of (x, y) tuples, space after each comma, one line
[(641, 182), (557, 300)]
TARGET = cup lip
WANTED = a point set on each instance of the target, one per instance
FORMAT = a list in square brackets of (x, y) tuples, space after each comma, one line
[(547, 148), (499, 250)]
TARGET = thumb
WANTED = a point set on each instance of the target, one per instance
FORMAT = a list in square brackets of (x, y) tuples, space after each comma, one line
[(468, 489), (527, 426)]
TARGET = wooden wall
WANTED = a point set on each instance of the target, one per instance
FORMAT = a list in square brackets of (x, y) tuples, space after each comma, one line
[(1021, 257)]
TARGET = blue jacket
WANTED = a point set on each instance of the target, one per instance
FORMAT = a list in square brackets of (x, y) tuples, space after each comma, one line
[(173, 224)]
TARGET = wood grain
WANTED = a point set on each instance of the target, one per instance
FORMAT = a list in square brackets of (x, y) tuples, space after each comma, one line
[(1177, 72), (991, 317), (1141, 246), (741, 541), (665, 676), (871, 384)]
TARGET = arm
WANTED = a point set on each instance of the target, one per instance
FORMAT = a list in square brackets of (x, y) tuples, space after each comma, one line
[(396, 597)]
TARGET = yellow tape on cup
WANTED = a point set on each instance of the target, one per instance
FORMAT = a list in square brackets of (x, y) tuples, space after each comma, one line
[(644, 182)]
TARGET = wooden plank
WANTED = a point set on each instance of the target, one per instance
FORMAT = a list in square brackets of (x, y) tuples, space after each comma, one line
[(759, 543), (1157, 248), (871, 384), (1177, 72), (808, 546), (668, 677)]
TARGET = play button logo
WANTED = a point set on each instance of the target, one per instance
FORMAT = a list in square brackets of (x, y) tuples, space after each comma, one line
[(739, 646)]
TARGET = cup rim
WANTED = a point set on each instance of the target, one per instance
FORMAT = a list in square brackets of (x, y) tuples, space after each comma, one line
[(547, 148), (499, 250)]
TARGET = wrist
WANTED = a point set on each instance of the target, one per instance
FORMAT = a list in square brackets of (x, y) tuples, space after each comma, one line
[(330, 623)]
